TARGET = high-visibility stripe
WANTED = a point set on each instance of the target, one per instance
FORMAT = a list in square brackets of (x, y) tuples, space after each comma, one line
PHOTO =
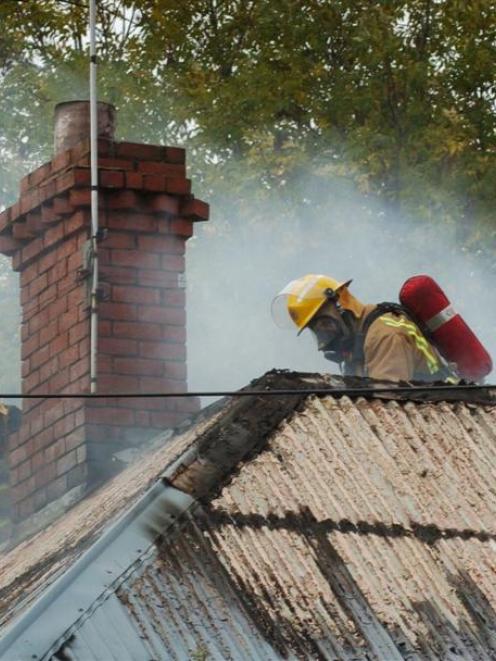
[(441, 318), (420, 342)]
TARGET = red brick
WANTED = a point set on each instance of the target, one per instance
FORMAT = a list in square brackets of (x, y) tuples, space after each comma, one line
[(58, 272), (24, 470), (18, 455), (21, 232), (29, 200), (124, 199), (118, 275), (134, 180), (181, 227), (66, 462), (110, 416), (195, 209), (68, 320), (79, 369), (25, 368), (38, 285), (45, 474), (54, 451), (47, 261), (74, 262), (156, 278), (138, 151), (8, 245), (130, 294), (48, 214), (174, 333), (30, 345), (111, 179), (177, 185), (49, 332), (39, 357), (37, 461), (118, 346), (115, 164), (154, 182), (138, 330), (47, 190), (167, 169), (162, 350), (167, 244), (105, 328), (61, 160), (34, 223), (64, 426), (32, 250), (149, 384), (173, 263), (77, 332), (138, 366), (175, 370), (164, 204), (118, 311), (52, 236), (81, 220), (48, 370), (58, 381), (48, 296), (59, 343), (80, 197), (120, 240), (136, 258), (62, 206), (75, 438), (117, 383), (29, 273), (84, 346), (139, 222), (38, 320), (175, 155), (30, 383), (161, 315), (40, 174), (173, 297)]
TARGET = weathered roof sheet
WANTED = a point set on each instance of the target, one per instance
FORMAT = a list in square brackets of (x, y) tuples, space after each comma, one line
[(353, 530)]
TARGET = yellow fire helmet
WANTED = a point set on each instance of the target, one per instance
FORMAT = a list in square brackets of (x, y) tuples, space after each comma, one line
[(301, 299)]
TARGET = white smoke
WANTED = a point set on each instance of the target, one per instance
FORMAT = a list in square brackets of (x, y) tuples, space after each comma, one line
[(234, 272)]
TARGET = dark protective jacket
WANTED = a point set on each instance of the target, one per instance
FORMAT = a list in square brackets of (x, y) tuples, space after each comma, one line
[(394, 349)]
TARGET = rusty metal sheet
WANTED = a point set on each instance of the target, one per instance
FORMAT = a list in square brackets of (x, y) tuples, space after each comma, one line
[(371, 525)]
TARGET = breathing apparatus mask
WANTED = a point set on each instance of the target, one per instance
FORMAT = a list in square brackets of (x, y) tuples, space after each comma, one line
[(333, 330)]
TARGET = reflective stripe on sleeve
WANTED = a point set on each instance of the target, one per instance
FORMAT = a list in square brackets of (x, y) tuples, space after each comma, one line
[(420, 342)]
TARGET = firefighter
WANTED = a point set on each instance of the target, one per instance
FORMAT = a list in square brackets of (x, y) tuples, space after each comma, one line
[(377, 341)]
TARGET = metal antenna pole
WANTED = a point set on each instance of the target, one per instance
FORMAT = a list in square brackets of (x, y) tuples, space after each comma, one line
[(94, 197)]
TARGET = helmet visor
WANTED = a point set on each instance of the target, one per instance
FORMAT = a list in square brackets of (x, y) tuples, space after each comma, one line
[(280, 312)]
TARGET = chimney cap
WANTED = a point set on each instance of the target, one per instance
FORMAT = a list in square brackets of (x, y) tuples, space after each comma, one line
[(72, 123)]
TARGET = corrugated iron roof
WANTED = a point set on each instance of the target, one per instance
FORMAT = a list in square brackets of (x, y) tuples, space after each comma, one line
[(353, 530)]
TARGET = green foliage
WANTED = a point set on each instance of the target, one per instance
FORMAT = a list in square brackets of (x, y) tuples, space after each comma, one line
[(396, 97)]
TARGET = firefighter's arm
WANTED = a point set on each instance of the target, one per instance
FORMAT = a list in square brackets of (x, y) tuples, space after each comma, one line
[(389, 357)]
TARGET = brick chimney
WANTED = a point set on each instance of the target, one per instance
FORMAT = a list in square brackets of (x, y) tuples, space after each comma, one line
[(147, 211)]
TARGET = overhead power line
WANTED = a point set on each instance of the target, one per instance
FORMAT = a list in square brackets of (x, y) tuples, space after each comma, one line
[(270, 392)]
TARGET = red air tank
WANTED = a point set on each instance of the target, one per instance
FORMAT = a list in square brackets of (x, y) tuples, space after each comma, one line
[(448, 331)]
